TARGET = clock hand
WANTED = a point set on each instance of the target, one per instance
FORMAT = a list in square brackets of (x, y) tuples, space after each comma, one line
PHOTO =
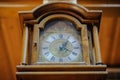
[(63, 46), (60, 48), (67, 50)]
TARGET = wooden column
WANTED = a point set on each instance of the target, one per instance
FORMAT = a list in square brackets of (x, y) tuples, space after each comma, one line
[(91, 52), (35, 43), (94, 57), (25, 45), (85, 45), (96, 45)]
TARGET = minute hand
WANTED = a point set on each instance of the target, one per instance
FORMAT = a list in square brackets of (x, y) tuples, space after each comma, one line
[(64, 44)]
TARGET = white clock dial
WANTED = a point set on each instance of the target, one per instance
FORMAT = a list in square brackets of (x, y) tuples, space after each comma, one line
[(61, 47)]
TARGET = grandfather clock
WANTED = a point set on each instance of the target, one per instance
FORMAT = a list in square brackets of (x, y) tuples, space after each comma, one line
[(60, 41)]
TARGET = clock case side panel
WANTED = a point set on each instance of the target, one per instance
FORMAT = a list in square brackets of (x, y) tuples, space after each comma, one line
[(35, 42)]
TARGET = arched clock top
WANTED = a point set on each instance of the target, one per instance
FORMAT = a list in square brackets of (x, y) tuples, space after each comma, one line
[(73, 20), (77, 11)]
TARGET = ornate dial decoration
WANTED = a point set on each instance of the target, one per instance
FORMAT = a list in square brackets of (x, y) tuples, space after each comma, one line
[(60, 42)]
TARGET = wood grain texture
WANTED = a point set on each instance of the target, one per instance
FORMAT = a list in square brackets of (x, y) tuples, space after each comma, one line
[(96, 45), (85, 44), (10, 47), (25, 46), (91, 53), (72, 75), (11, 32), (35, 44), (58, 67)]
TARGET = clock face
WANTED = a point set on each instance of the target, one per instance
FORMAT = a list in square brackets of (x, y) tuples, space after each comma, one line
[(60, 47), (60, 42)]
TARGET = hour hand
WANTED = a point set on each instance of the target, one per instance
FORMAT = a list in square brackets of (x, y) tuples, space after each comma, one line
[(60, 48), (65, 44)]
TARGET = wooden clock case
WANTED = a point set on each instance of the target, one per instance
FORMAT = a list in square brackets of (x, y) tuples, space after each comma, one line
[(86, 21)]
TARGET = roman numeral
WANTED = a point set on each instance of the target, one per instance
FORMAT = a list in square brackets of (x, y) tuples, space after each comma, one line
[(73, 41), (52, 58), (60, 59), (46, 54), (69, 58), (53, 37), (68, 37), (60, 36), (47, 41), (74, 53), (76, 47), (45, 47)]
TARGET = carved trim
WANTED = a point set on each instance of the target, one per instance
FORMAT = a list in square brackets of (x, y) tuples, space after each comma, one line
[(85, 44), (78, 9), (60, 16), (35, 44), (96, 45)]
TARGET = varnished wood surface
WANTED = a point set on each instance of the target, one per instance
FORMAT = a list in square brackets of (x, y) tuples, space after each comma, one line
[(113, 74), (96, 45), (85, 44), (25, 45), (11, 32), (78, 11), (35, 44), (75, 75), (61, 67)]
